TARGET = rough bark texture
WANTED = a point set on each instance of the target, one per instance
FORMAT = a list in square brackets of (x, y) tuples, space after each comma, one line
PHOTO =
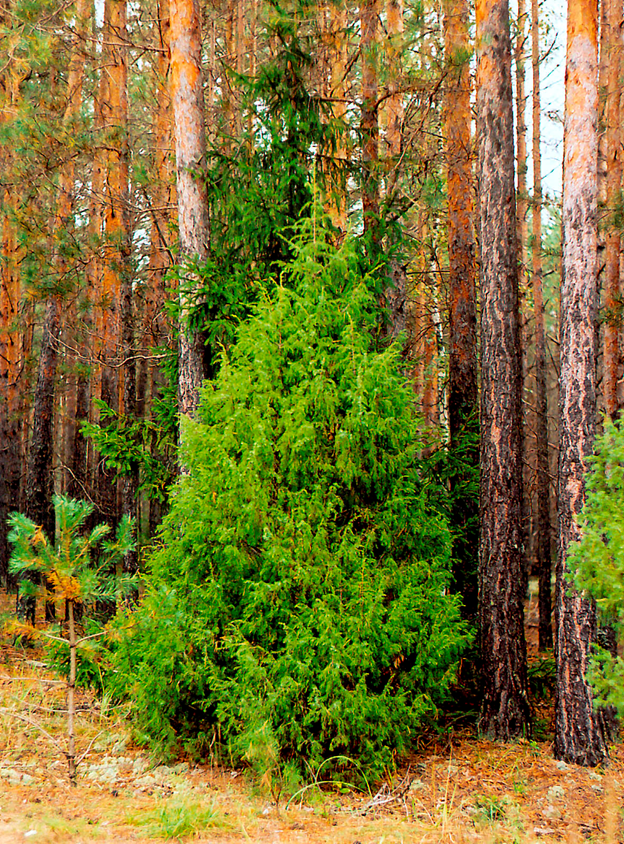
[(394, 107), (522, 205), (10, 344), (579, 735), (190, 144), (613, 10), (505, 709), (39, 478), (462, 387), (544, 566), (116, 258), (335, 162), (39, 471), (369, 124)]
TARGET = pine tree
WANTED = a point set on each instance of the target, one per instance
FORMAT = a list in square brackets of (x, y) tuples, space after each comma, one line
[(579, 736), (505, 707)]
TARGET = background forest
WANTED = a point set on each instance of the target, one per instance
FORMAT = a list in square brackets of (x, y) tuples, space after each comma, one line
[(320, 212)]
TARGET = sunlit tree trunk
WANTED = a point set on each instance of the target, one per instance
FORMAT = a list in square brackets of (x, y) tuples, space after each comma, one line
[(117, 382), (162, 203), (505, 708), (541, 397), (613, 198), (579, 734), (190, 144), (394, 107), (462, 389), (10, 342)]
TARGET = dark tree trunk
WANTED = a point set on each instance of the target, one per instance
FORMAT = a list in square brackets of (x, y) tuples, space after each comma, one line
[(129, 484), (505, 711), (369, 124), (462, 389), (579, 728), (39, 474), (39, 477), (544, 566)]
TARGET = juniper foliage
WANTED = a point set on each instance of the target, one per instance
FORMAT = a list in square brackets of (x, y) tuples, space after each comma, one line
[(297, 606)]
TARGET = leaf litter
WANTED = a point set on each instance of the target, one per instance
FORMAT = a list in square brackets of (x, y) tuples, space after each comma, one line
[(457, 789)]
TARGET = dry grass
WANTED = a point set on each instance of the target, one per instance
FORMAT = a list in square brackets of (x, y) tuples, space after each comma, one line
[(465, 790)]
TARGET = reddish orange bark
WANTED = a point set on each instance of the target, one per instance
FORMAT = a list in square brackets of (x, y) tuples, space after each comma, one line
[(163, 202), (10, 341), (190, 143), (613, 14), (394, 106), (462, 388), (579, 728)]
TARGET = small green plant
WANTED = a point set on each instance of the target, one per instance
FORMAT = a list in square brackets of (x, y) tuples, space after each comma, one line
[(597, 561), (542, 678), (489, 808), (69, 577), (178, 817)]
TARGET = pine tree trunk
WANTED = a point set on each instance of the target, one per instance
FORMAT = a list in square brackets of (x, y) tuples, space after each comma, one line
[(369, 124), (528, 421), (39, 469), (10, 343), (505, 708), (579, 736), (116, 278), (462, 388), (190, 143), (39, 478), (544, 567), (394, 107), (613, 199)]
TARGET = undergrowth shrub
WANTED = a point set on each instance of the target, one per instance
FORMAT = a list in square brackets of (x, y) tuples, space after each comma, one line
[(296, 608), (597, 561)]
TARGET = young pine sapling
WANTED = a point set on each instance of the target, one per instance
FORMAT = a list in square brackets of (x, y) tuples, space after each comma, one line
[(69, 576)]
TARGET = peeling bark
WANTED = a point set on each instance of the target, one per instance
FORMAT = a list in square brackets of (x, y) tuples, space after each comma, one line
[(190, 143), (579, 729), (613, 198), (505, 712)]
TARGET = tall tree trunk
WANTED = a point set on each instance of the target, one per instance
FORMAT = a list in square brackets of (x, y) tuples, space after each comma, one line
[(523, 292), (579, 735), (462, 389), (114, 110), (369, 124), (613, 180), (505, 708), (39, 469), (190, 143), (394, 107), (10, 343), (162, 200), (541, 398)]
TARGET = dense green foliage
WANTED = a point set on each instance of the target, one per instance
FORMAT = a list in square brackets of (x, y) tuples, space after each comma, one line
[(296, 607), (598, 560), (80, 567)]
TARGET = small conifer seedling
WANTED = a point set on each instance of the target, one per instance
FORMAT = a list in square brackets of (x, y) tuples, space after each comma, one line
[(70, 577)]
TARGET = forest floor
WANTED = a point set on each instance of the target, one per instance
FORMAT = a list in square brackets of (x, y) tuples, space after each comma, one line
[(457, 789)]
